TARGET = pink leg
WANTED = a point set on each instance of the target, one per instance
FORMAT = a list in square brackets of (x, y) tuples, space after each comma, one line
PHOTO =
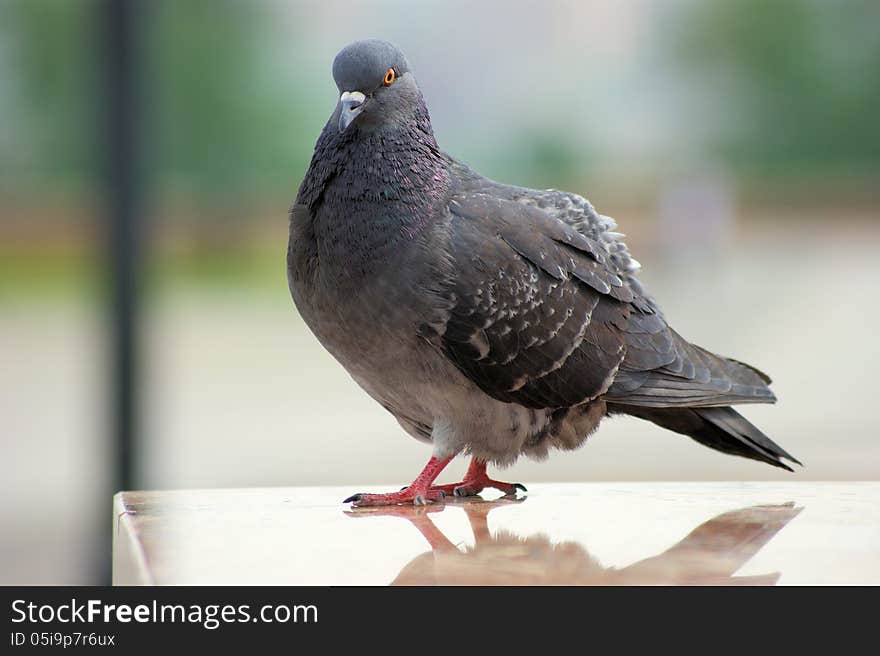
[(419, 492), (475, 481)]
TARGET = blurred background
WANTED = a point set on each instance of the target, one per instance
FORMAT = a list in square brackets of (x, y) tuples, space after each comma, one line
[(737, 143)]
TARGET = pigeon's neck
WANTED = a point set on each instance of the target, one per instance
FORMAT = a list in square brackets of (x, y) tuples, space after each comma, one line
[(370, 192)]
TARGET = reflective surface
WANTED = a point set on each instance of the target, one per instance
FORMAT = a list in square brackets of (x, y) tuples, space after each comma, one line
[(708, 555), (570, 534)]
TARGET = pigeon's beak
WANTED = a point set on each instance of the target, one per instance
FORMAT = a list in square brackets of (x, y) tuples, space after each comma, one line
[(352, 104)]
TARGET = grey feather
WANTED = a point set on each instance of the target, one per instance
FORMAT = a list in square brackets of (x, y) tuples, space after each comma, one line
[(487, 318)]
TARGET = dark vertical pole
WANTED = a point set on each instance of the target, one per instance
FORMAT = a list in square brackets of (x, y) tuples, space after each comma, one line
[(123, 178)]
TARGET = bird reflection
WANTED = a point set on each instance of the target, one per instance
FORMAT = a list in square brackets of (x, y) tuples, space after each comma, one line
[(709, 555)]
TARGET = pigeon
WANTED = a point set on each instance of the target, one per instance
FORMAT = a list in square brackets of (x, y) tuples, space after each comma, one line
[(491, 320)]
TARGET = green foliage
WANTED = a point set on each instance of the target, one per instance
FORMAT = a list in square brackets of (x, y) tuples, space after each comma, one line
[(802, 76), (48, 86), (226, 128), (232, 103), (540, 159), (220, 121)]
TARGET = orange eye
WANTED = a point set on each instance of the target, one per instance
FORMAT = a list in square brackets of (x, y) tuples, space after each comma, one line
[(390, 76)]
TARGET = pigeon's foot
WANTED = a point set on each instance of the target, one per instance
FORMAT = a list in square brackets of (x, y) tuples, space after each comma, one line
[(470, 488), (475, 481), (407, 495), (417, 493)]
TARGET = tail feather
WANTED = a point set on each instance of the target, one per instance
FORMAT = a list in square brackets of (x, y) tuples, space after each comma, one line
[(734, 424), (719, 428)]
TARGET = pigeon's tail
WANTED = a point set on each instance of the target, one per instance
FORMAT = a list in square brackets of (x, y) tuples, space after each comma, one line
[(721, 428)]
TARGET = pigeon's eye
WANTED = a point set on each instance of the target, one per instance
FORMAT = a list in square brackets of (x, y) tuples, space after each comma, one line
[(390, 76)]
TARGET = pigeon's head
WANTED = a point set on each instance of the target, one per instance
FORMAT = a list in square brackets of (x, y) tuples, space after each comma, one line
[(375, 84)]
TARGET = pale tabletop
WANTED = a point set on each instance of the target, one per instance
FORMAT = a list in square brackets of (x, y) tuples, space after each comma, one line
[(579, 533)]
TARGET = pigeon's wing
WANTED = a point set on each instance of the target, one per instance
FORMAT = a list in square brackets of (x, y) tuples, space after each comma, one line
[(692, 377), (545, 312), (577, 212), (535, 315), (660, 369)]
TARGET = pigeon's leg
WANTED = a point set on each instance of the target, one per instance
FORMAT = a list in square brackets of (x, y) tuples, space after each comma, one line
[(475, 481), (418, 493)]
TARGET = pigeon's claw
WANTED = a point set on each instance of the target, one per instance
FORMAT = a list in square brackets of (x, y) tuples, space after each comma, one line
[(473, 488), (476, 480), (406, 495), (417, 493)]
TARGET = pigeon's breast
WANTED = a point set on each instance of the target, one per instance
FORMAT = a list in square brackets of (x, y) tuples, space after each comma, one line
[(373, 332), (365, 310), (371, 324)]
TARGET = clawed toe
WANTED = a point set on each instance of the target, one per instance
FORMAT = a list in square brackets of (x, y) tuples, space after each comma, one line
[(465, 490), (405, 496), (473, 488), (509, 489), (421, 493)]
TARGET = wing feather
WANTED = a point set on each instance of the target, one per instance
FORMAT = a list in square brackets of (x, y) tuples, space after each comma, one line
[(546, 311)]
